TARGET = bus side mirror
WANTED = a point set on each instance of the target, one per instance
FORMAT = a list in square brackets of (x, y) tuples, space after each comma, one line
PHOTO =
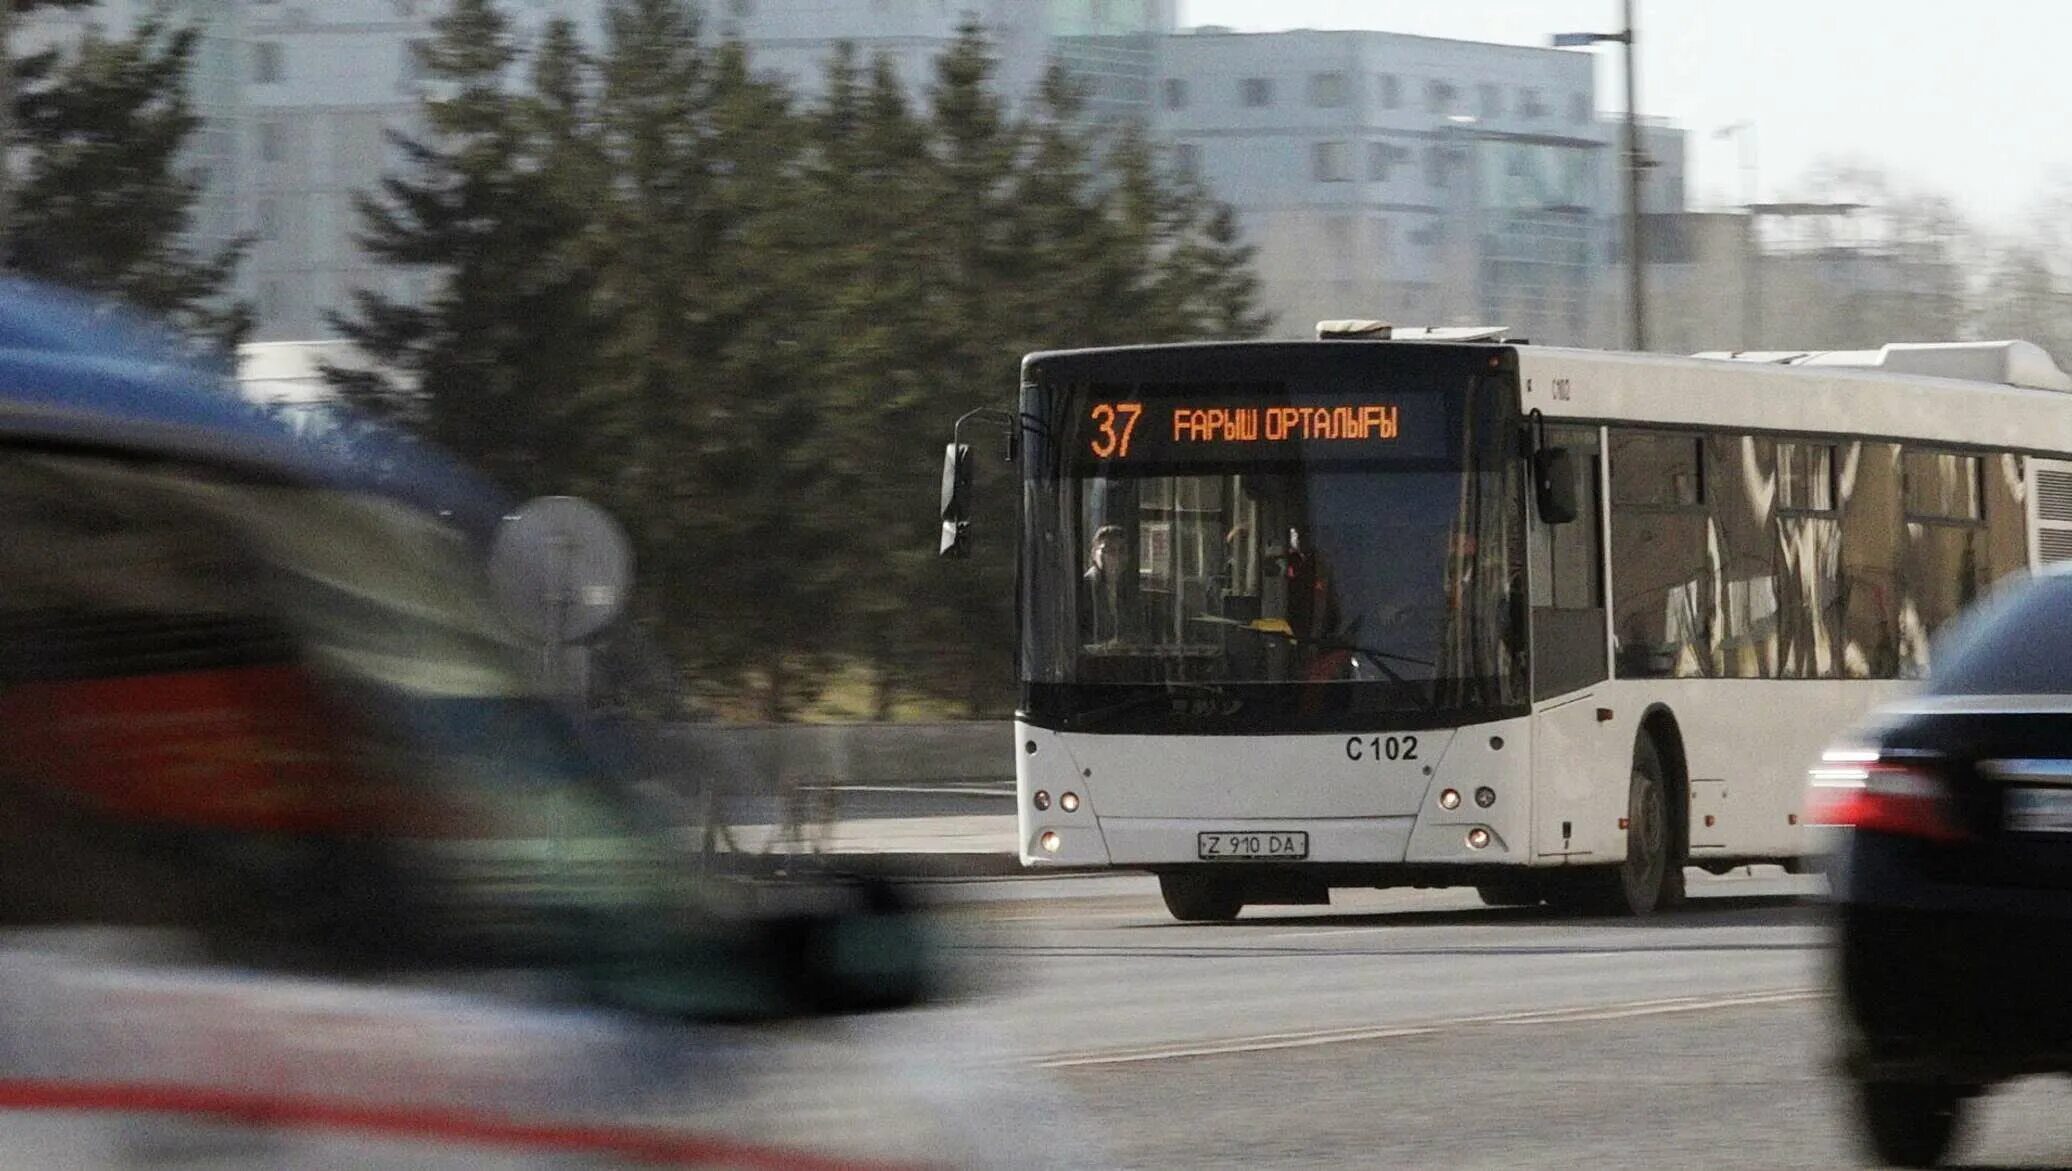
[(956, 500), (1554, 484)]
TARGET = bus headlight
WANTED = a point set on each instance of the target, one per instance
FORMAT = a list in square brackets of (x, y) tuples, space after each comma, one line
[(1449, 798), (1485, 796), (1049, 841), (1041, 800), (1069, 802), (1478, 838)]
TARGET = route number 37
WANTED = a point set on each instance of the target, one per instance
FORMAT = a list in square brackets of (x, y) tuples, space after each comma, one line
[(1110, 443), (1381, 748)]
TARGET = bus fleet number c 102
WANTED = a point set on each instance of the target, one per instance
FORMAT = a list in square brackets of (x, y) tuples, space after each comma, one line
[(1381, 748)]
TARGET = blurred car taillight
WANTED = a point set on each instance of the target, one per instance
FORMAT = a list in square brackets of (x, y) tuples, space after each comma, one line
[(1862, 790)]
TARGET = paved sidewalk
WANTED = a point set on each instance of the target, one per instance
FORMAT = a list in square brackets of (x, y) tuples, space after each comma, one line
[(970, 844), (983, 833)]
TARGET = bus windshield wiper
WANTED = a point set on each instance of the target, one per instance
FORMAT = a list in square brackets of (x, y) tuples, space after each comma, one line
[(1166, 693), (1380, 660), (1279, 628)]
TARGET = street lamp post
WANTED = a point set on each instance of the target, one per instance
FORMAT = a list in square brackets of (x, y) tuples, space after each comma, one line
[(1636, 293), (7, 129)]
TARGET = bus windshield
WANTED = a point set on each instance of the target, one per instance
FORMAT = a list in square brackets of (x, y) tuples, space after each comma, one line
[(1322, 547)]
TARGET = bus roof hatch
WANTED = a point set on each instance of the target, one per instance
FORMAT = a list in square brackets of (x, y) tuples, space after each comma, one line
[(2013, 363), (1381, 331)]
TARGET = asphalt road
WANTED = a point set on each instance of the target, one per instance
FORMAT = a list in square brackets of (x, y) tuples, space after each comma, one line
[(1418, 1029)]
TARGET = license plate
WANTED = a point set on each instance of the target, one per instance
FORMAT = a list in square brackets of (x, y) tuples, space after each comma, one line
[(2039, 811), (1239, 845)]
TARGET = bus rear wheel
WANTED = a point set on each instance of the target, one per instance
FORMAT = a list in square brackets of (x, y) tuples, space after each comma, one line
[(1200, 898)]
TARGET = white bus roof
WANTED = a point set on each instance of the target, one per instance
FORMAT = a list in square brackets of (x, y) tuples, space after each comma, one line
[(2014, 363), (2010, 362), (1870, 395), (2005, 394)]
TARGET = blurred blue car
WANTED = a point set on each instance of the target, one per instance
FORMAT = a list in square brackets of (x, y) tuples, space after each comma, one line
[(301, 867)]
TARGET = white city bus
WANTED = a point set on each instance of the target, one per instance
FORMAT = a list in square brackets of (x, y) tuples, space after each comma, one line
[(1369, 611)]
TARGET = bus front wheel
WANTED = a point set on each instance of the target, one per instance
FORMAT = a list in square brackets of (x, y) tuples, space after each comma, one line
[(1200, 898), (1651, 877), (1509, 893)]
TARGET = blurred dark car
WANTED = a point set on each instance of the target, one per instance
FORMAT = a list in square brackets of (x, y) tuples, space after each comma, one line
[(299, 865), (1952, 879)]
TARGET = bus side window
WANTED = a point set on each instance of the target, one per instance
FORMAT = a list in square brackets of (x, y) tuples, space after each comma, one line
[(1566, 580), (1660, 562)]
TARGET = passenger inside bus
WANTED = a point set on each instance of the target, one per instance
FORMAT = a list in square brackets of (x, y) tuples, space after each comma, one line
[(1109, 588)]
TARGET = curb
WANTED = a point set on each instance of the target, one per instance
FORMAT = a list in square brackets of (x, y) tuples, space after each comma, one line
[(926, 865), (916, 865)]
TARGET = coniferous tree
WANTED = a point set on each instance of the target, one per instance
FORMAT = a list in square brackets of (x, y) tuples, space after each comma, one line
[(1186, 249), (1076, 273), (975, 149), (873, 174), (489, 363), (776, 560), (1216, 266), (97, 194), (654, 244)]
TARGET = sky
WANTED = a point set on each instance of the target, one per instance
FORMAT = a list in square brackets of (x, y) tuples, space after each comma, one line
[(1972, 101)]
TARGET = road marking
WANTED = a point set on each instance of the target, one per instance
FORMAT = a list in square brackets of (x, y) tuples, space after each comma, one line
[(1620, 1012), (1303, 1040), (1244, 1045), (1330, 931)]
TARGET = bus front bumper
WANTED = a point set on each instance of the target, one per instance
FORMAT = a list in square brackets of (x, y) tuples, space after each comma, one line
[(1158, 842), (1431, 798)]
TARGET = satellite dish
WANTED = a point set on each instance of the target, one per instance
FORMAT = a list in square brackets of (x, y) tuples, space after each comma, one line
[(561, 567)]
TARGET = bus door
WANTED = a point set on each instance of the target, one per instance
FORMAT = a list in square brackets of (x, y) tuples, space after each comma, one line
[(1565, 574)]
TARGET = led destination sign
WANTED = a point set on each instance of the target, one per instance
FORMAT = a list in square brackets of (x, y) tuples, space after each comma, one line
[(1367, 422), (1147, 430)]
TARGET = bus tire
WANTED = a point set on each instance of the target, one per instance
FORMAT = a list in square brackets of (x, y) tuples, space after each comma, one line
[(1508, 894), (1198, 898), (1651, 868), (1651, 877)]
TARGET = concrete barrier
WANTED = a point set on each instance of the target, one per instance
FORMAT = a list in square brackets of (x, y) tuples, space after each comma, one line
[(845, 754), (901, 799)]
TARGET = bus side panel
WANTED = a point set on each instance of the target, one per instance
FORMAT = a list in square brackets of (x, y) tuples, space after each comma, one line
[(1580, 765), (1748, 744)]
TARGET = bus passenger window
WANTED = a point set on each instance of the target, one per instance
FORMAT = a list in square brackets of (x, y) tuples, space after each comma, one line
[(1806, 477), (1874, 623), (1742, 505), (1944, 566), (1942, 486), (1657, 469), (1660, 563)]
